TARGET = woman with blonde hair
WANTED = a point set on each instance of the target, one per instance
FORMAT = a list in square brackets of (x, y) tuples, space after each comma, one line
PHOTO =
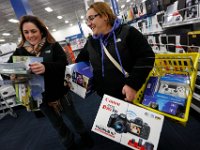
[(126, 45)]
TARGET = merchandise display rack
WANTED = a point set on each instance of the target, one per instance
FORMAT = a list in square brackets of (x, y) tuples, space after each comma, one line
[(173, 28), (7, 101), (176, 17), (6, 109)]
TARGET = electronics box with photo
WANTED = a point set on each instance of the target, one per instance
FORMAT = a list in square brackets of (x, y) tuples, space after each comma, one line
[(151, 86), (175, 85), (174, 90), (161, 103), (78, 77), (130, 125)]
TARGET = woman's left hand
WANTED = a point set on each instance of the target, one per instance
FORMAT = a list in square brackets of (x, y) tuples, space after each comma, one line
[(130, 93), (37, 68)]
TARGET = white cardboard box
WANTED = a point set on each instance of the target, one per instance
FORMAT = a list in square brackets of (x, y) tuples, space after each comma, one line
[(79, 78), (130, 125)]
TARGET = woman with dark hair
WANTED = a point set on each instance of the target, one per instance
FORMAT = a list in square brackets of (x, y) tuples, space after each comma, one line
[(37, 41), (125, 44)]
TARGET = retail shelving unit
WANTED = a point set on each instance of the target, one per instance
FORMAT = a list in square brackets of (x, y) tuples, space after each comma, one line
[(166, 25), (7, 101), (7, 92), (77, 42)]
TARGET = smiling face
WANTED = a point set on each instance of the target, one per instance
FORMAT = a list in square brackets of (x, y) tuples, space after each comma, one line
[(97, 23), (31, 33)]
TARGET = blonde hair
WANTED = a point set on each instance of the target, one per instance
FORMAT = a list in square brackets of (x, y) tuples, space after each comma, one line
[(103, 9)]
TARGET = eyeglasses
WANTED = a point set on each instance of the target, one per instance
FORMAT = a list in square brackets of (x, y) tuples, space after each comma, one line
[(91, 18)]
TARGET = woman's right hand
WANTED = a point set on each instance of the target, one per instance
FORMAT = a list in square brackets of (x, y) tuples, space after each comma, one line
[(37, 68), (129, 92)]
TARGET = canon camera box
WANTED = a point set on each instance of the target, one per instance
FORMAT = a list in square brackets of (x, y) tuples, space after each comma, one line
[(130, 125), (78, 77)]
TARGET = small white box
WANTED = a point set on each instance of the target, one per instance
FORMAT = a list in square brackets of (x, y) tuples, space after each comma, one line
[(130, 125), (78, 77)]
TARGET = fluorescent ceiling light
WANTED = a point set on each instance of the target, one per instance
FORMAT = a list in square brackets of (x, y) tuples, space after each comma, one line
[(48, 9), (127, 1), (82, 17), (54, 30), (6, 34), (13, 20), (66, 21), (59, 17), (122, 6), (71, 24), (2, 40)]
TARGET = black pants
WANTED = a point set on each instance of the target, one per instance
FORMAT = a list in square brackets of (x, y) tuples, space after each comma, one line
[(67, 137)]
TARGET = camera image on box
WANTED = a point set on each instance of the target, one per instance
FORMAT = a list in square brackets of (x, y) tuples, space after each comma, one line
[(136, 126), (68, 81)]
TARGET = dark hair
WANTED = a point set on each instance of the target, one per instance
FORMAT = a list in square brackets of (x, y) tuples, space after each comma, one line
[(39, 24), (103, 8)]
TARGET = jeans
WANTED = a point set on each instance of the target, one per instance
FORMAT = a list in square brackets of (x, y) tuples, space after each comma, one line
[(67, 137)]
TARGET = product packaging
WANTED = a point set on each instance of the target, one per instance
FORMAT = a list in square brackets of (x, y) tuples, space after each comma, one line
[(128, 124), (78, 78)]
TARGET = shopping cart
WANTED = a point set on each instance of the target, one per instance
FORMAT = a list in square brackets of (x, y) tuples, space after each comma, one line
[(185, 64)]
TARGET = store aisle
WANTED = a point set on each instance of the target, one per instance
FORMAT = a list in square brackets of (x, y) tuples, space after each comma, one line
[(30, 133)]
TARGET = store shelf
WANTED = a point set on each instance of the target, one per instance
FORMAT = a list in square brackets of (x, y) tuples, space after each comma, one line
[(197, 86), (150, 33), (181, 23), (181, 17), (196, 102), (195, 107)]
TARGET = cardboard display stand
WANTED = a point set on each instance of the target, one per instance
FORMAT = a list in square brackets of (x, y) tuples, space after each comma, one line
[(127, 124)]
